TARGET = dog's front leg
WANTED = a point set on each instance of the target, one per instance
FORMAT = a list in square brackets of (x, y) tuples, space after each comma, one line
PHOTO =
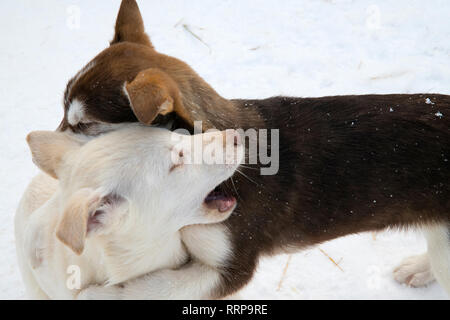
[(193, 281), (98, 292)]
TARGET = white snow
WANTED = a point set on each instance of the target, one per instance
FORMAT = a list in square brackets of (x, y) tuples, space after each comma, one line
[(428, 101), (249, 50)]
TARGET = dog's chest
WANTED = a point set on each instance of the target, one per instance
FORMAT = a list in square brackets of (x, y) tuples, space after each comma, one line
[(40, 252), (59, 273)]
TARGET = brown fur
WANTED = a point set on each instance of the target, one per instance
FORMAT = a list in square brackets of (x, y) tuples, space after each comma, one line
[(129, 25), (101, 87), (347, 163), (152, 92)]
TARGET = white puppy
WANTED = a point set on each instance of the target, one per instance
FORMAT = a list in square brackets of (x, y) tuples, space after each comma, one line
[(118, 204)]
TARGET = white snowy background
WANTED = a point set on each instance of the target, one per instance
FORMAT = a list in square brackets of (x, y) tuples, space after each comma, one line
[(250, 49)]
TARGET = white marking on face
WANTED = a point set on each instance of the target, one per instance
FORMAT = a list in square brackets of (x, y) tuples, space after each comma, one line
[(76, 112), (165, 107)]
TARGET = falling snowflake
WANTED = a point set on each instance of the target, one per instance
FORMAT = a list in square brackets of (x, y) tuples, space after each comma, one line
[(428, 101)]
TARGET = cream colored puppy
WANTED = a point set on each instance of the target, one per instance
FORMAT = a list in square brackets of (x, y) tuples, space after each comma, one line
[(111, 209)]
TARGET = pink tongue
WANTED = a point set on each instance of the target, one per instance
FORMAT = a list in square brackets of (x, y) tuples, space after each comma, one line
[(226, 205), (220, 202)]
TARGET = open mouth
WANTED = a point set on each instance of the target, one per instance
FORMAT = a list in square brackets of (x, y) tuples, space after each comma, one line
[(217, 199)]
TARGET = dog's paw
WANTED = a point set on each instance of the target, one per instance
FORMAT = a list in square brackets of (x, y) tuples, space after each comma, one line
[(414, 271), (95, 292)]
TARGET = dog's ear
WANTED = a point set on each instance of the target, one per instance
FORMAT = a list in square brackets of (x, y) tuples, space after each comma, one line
[(73, 226), (48, 149), (87, 211), (152, 92), (129, 25)]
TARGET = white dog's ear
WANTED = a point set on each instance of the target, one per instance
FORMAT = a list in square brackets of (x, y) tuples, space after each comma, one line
[(48, 149), (86, 211), (73, 226)]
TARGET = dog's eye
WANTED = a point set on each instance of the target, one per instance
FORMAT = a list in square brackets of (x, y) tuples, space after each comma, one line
[(84, 125)]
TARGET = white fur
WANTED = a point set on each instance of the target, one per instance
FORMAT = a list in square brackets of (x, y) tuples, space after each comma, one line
[(76, 108), (193, 281), (209, 246), (421, 270), (76, 112), (125, 91), (140, 237), (414, 271), (208, 243), (165, 107), (438, 242)]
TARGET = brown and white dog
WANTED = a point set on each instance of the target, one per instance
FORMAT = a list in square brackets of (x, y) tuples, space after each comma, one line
[(348, 164)]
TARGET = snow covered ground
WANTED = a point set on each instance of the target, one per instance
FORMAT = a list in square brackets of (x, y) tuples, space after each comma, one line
[(250, 49)]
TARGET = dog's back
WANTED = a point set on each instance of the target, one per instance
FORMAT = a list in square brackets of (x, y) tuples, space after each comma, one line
[(348, 164), (352, 164)]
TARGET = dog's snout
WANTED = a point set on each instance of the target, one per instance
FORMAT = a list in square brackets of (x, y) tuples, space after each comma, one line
[(229, 137)]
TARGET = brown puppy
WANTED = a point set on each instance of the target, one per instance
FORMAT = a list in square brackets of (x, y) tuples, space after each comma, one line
[(348, 164), (130, 81)]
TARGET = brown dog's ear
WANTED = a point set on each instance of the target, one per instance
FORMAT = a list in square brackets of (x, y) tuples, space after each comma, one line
[(129, 25), (152, 92), (48, 149)]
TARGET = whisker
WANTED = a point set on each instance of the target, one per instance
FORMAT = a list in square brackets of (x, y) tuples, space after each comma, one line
[(243, 174), (228, 190), (247, 167), (235, 190)]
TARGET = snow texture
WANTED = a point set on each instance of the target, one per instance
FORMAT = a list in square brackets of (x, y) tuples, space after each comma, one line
[(248, 49)]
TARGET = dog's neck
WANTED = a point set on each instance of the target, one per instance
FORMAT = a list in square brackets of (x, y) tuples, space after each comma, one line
[(116, 257), (202, 103), (141, 251)]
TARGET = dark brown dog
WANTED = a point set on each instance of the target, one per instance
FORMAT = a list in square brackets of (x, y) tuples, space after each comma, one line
[(130, 81), (348, 164)]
